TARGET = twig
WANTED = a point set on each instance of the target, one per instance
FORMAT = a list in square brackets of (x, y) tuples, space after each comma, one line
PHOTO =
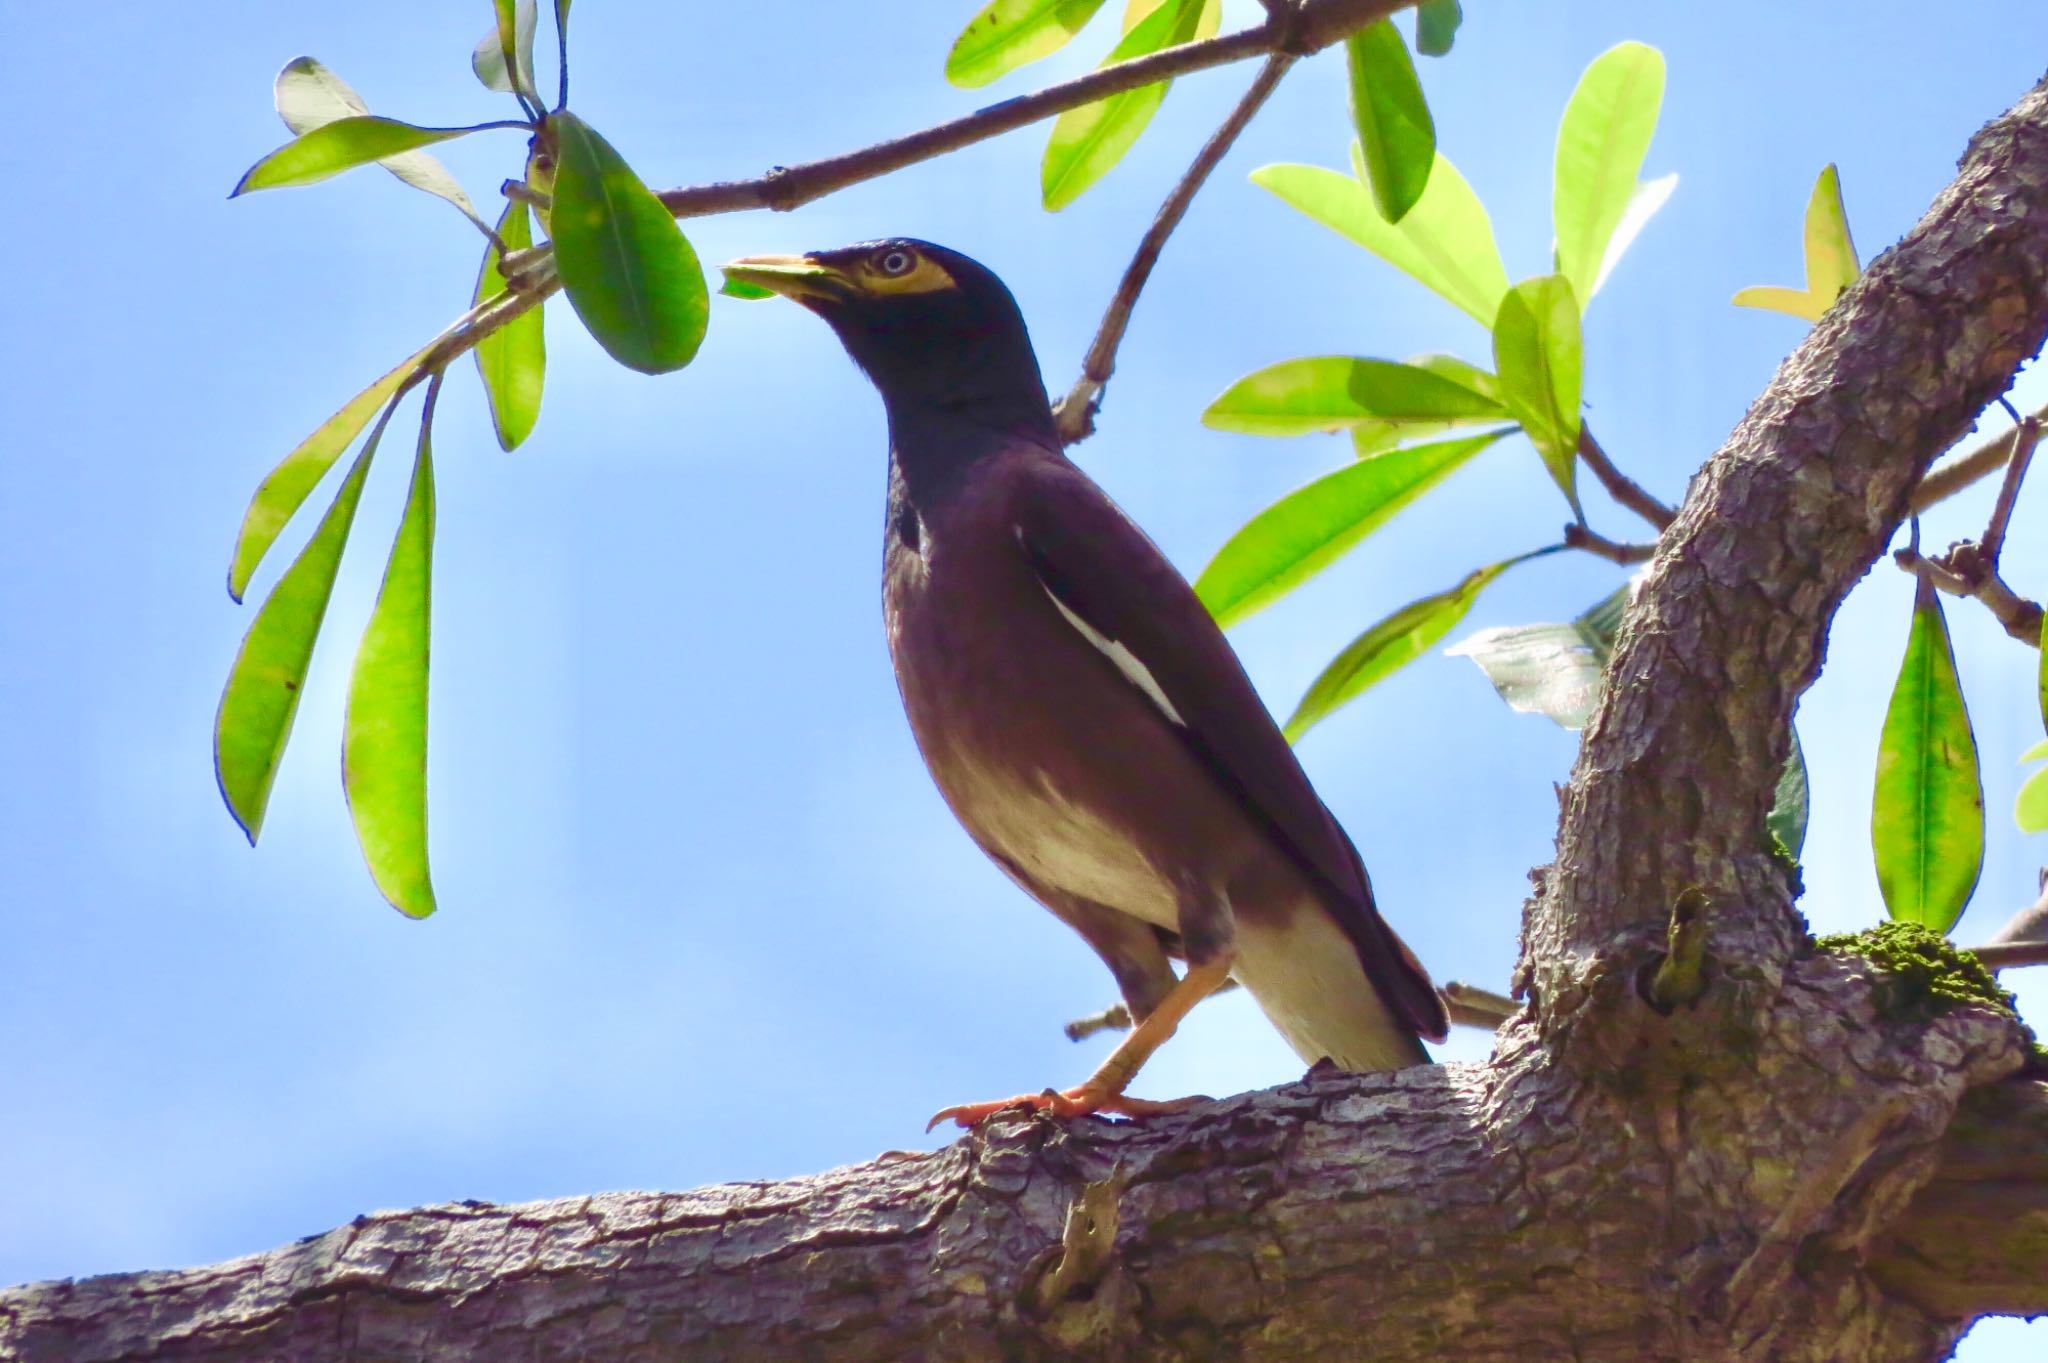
[(1467, 1004), (1577, 536), (2025, 436), (2007, 955), (1964, 571), (1619, 485), (1074, 414), (1297, 29), (1942, 483)]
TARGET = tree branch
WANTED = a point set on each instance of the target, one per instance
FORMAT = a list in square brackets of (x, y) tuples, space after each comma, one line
[(1296, 30), (1966, 571), (1946, 481), (1584, 537), (1075, 413), (1619, 485)]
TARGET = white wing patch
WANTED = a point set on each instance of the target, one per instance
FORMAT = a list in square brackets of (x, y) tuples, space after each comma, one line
[(1126, 661)]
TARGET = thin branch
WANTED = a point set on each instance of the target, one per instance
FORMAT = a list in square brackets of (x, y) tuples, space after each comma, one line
[(2029, 924), (1296, 29), (1619, 485), (2007, 955), (1467, 1004), (2025, 436), (1964, 571), (1075, 413), (1578, 536), (1942, 483)]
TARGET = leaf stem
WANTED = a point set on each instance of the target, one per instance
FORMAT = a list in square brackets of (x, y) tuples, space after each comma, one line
[(1620, 486), (1074, 414), (1577, 536)]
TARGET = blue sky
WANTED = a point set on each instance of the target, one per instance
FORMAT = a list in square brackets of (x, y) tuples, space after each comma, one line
[(703, 916)]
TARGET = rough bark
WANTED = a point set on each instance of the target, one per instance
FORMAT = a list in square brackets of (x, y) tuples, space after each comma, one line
[(1785, 1167)]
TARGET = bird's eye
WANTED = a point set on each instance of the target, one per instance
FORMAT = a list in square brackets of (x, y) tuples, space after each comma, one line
[(895, 263)]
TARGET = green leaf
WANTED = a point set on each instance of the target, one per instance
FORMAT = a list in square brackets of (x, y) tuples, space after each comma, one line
[(1445, 242), (335, 147), (285, 488), (515, 25), (262, 694), (1436, 26), (2030, 811), (1087, 141), (310, 96), (512, 361), (1649, 196), (384, 738), (1395, 131), (1601, 143), (1927, 820), (2041, 678), (629, 271), (1830, 257), (740, 288), (1007, 34), (1536, 350), (1330, 392), (1307, 530), (1550, 669), (1787, 819), (1387, 647)]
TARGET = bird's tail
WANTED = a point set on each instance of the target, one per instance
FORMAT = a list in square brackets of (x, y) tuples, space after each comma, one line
[(1307, 976)]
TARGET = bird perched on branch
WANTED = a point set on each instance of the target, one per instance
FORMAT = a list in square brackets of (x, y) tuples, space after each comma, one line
[(1079, 709)]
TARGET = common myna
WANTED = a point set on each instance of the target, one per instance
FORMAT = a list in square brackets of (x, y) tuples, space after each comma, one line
[(1079, 709)]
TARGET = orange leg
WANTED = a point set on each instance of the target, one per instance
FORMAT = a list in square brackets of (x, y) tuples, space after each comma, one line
[(1103, 1091)]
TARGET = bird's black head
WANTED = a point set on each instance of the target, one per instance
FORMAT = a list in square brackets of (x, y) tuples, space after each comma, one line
[(935, 331)]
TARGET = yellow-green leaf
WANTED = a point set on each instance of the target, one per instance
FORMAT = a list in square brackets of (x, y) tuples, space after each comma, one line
[(1649, 196), (1087, 141), (1601, 142), (629, 271), (512, 32), (1387, 647), (2030, 811), (1331, 392), (1537, 352), (1307, 530), (261, 697), (310, 96), (335, 147), (285, 488), (512, 361), (1396, 134), (1007, 34), (1830, 257), (1927, 817), (384, 738), (1445, 242)]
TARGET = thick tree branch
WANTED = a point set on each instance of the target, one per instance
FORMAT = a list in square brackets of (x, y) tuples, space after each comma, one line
[(1295, 29), (1075, 413)]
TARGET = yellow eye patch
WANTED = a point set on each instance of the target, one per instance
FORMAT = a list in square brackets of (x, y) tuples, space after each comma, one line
[(924, 276)]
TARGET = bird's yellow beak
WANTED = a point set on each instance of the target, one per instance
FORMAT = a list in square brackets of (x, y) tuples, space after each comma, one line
[(797, 277)]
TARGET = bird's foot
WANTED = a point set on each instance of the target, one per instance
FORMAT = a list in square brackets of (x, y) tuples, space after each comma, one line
[(1078, 1101)]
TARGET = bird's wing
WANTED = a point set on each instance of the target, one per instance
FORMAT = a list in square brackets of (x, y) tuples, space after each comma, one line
[(1120, 593)]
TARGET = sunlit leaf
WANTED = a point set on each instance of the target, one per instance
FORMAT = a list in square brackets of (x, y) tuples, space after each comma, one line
[(1601, 142), (1830, 257), (310, 96), (335, 147), (1329, 392), (384, 738), (512, 361), (1006, 34), (1307, 530), (740, 288), (1436, 26), (1387, 647), (1550, 669), (1087, 141), (262, 694), (1787, 819), (1927, 818), (514, 21), (1445, 242), (1536, 351), (287, 486), (2031, 809), (1396, 134), (2041, 676), (629, 271), (1649, 196)]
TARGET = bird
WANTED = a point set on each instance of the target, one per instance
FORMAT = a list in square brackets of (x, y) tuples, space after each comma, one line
[(1079, 709)]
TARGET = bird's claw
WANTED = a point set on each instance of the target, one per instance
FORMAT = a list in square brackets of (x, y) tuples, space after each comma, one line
[(1078, 1101)]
